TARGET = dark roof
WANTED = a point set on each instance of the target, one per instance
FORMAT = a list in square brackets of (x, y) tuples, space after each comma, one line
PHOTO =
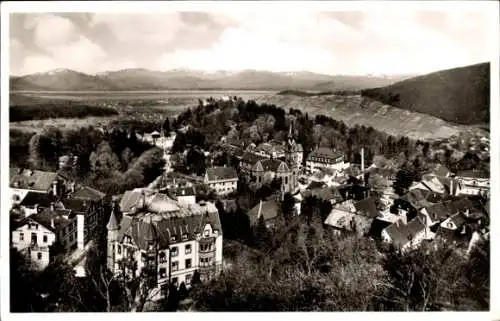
[(438, 211), (325, 153), (221, 173), (46, 216), (401, 233), (458, 219), (442, 171), (377, 227), (367, 207), (88, 193), (326, 194), (315, 185), (268, 209), (419, 198), (40, 199), (251, 158), (474, 174), (272, 165), (180, 191), (31, 179)]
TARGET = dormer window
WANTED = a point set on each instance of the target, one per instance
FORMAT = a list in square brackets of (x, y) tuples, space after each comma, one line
[(172, 238), (206, 233), (184, 236)]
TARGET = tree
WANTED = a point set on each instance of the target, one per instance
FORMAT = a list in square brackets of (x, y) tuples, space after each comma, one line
[(261, 234), (104, 160), (166, 127), (287, 207)]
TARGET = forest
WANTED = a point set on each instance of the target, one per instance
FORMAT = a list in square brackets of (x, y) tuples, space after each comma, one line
[(66, 110)]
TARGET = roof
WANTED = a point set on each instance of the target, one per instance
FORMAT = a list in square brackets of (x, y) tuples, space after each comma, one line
[(326, 194), (271, 165), (40, 199), (401, 233), (367, 207), (221, 173), (442, 171), (342, 219), (315, 185), (61, 218), (132, 199), (269, 148), (31, 179), (420, 197), (88, 193), (250, 158), (181, 191), (325, 153), (478, 174), (169, 229), (268, 209), (438, 211), (458, 219)]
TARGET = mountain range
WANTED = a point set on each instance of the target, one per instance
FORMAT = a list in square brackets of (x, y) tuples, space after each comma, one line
[(184, 79)]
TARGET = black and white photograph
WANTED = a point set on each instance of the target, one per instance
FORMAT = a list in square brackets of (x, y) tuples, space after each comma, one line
[(249, 156)]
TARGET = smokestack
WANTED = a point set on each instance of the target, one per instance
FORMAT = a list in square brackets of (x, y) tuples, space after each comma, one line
[(54, 188), (362, 160)]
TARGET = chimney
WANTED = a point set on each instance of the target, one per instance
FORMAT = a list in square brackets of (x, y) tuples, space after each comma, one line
[(52, 224), (52, 206), (260, 210), (72, 187), (362, 160), (54, 188)]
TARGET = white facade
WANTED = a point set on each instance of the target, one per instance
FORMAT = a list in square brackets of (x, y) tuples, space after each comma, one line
[(473, 186), (223, 187), (313, 165), (18, 194), (413, 243), (33, 240)]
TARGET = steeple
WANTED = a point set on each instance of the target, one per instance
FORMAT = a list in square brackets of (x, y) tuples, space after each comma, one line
[(113, 224)]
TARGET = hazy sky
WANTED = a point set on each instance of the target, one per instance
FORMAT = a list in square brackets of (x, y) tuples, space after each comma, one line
[(350, 42)]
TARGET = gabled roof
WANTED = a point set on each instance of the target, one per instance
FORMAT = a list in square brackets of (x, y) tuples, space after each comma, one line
[(251, 159), (419, 198), (442, 171), (31, 179), (328, 153), (401, 233), (180, 191), (452, 236), (133, 198), (221, 173), (88, 193), (367, 207), (438, 211), (478, 174), (61, 218), (40, 199), (316, 185), (268, 209), (344, 220)]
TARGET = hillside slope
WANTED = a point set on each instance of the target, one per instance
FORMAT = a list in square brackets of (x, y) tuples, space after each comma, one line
[(460, 95)]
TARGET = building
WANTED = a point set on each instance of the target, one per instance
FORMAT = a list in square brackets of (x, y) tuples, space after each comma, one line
[(341, 221), (248, 161), (23, 181), (223, 180), (265, 171), (184, 195), (269, 150), (474, 182), (406, 236), (325, 157), (171, 239), (33, 202), (34, 235), (294, 153)]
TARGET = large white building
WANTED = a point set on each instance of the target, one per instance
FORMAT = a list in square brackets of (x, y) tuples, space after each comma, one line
[(171, 239), (325, 158), (473, 182), (23, 181), (223, 180)]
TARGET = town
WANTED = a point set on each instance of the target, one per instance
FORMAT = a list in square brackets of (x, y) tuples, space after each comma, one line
[(171, 215)]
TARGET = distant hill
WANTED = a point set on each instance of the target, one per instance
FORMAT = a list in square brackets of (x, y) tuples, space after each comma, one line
[(460, 95), (183, 79)]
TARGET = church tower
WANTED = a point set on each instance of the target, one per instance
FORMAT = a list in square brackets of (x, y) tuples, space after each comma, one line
[(291, 158), (113, 228)]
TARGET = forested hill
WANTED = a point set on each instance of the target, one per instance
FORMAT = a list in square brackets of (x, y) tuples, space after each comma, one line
[(460, 95)]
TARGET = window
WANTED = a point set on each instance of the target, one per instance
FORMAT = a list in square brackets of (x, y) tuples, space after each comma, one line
[(71, 238), (175, 266), (174, 251), (119, 249), (184, 237), (188, 263), (163, 272), (143, 257), (45, 239), (204, 262), (172, 239), (39, 255), (34, 238), (163, 257), (206, 233), (175, 281), (21, 236), (188, 249), (188, 279)]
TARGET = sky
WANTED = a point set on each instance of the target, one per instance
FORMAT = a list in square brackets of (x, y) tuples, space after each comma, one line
[(328, 42)]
